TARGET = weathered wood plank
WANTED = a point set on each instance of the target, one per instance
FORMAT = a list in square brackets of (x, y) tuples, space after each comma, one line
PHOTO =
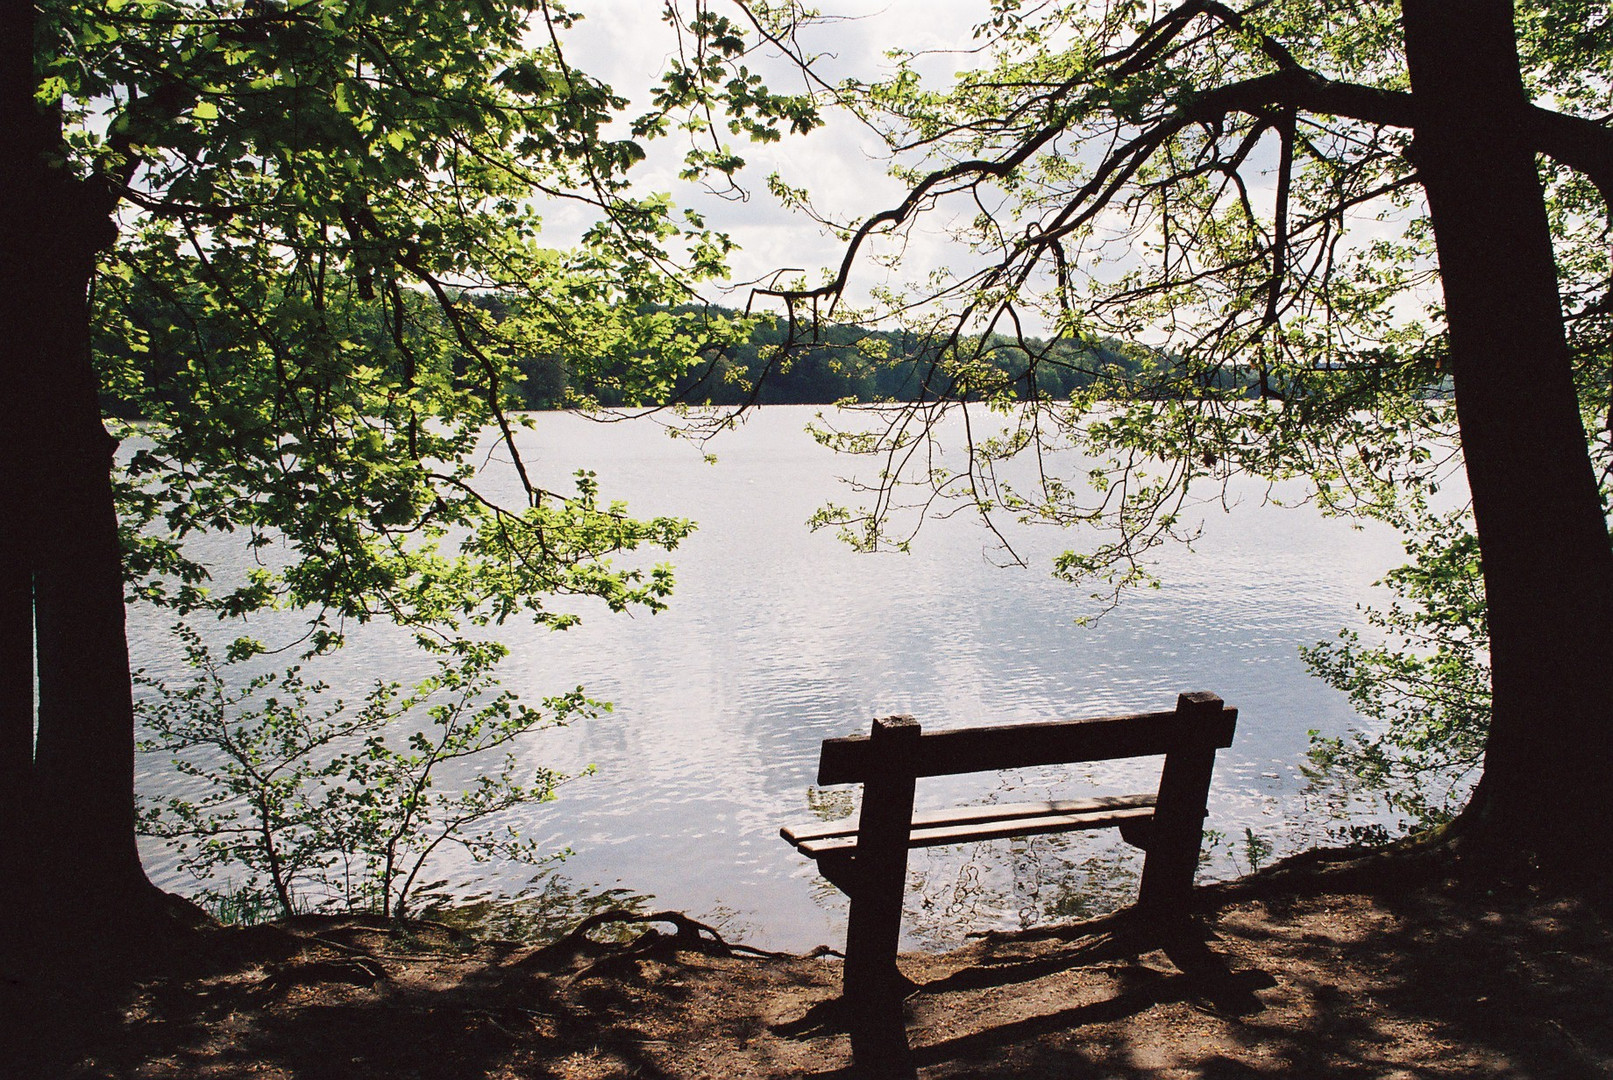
[(967, 815), (1002, 828), (1178, 828), (850, 760), (873, 928)]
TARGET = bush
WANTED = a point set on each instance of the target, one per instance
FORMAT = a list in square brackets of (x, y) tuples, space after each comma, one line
[(310, 804), (1427, 683)]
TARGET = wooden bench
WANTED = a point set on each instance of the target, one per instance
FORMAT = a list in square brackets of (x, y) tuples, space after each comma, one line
[(866, 857)]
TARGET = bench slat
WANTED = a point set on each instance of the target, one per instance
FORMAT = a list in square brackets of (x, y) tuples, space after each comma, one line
[(987, 830), (967, 815), (1015, 746)]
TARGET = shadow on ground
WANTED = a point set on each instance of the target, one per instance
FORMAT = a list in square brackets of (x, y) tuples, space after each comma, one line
[(1424, 980)]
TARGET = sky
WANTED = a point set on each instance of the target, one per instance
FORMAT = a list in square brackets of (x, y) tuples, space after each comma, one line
[(625, 42), (843, 166)]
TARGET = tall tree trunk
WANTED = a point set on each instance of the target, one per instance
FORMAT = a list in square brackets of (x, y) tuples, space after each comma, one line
[(16, 692), (19, 128), (1548, 567), (71, 835), (83, 783)]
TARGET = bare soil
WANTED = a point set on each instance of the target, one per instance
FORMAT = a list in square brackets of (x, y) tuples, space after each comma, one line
[(1381, 976)]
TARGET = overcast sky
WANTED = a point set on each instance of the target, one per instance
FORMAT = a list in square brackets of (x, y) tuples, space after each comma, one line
[(625, 43)]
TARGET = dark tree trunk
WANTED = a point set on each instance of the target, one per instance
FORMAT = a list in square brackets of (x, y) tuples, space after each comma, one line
[(1548, 568), (83, 783), (16, 573), (70, 827), (16, 690)]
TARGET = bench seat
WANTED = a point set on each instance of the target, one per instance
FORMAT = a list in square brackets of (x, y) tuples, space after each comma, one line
[(969, 824)]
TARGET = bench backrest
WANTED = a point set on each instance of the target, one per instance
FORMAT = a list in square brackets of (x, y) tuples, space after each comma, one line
[(889, 760), (1200, 720)]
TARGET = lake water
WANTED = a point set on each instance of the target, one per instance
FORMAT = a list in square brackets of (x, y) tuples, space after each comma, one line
[(778, 638)]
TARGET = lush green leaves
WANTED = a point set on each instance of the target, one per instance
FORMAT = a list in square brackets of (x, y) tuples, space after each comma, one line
[(329, 277), (332, 273), (1424, 683), (1175, 177), (321, 805)]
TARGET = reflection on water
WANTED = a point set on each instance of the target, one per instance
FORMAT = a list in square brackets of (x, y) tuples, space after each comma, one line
[(779, 638), (1023, 882)]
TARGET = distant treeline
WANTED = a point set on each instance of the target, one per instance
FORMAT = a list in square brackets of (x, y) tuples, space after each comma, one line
[(844, 361), (178, 353)]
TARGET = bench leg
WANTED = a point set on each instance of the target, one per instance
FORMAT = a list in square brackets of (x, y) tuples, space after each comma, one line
[(873, 934), (874, 988), (1178, 826)]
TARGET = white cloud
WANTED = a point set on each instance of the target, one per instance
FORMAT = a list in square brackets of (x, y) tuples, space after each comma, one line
[(626, 43)]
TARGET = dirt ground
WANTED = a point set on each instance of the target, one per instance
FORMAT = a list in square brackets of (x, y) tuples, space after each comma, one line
[(1289, 976)]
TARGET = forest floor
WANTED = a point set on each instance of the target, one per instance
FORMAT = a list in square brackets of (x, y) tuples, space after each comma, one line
[(1295, 974)]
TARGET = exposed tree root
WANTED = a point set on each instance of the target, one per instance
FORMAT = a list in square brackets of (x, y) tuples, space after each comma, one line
[(688, 935)]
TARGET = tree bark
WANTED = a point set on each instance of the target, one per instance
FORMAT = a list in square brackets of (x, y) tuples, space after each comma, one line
[(1548, 567), (71, 840), (16, 694)]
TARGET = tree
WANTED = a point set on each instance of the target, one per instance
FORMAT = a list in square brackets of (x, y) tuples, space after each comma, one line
[(1324, 219), (276, 228)]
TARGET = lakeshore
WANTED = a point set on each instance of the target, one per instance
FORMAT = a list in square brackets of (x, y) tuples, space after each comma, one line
[(1299, 973)]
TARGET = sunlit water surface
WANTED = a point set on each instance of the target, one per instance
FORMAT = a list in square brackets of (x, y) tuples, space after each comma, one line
[(778, 637)]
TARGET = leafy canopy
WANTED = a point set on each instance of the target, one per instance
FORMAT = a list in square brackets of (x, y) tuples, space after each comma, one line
[(325, 269), (330, 263), (1234, 191)]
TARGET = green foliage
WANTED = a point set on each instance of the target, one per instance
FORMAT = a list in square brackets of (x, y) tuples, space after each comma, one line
[(1426, 684), (1164, 176), (243, 906), (321, 805), (328, 283), (298, 316), (842, 362), (1256, 849)]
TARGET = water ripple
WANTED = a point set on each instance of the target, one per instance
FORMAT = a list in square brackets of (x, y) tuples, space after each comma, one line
[(778, 638)]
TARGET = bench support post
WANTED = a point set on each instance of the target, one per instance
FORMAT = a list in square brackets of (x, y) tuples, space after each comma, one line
[(872, 982), (1178, 828)]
